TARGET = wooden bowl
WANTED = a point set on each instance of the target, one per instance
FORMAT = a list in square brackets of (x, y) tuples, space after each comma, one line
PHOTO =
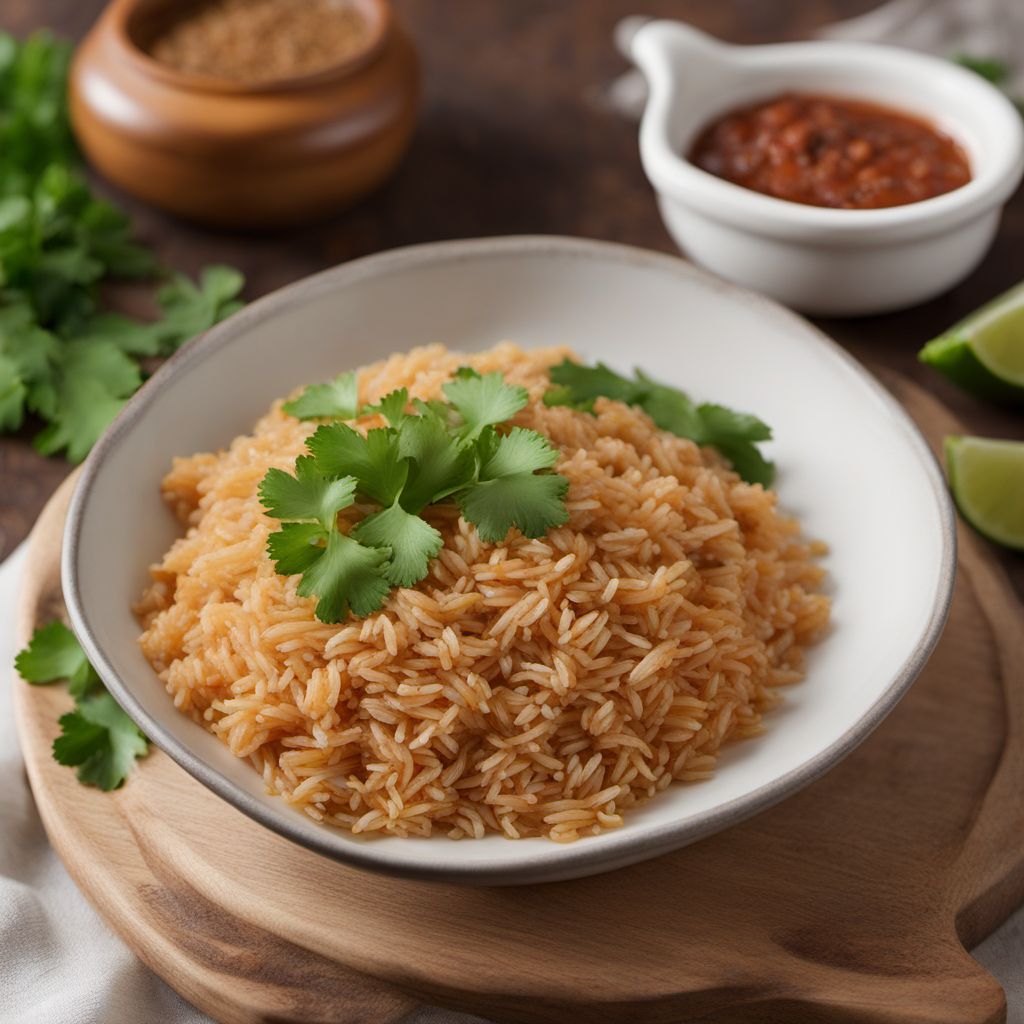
[(237, 155)]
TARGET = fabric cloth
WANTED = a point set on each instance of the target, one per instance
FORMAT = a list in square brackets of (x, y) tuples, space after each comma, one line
[(59, 963), (975, 28), (946, 28)]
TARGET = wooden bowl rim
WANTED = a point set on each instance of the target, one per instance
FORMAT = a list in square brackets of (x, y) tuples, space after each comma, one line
[(121, 12)]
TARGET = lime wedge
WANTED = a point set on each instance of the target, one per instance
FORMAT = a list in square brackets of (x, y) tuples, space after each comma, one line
[(984, 353), (987, 481)]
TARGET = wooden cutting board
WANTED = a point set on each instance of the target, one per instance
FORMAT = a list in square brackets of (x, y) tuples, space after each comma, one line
[(850, 902)]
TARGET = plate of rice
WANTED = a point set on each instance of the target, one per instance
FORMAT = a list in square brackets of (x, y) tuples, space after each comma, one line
[(509, 560)]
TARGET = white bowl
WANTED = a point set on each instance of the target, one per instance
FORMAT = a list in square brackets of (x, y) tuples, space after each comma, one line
[(823, 261), (850, 464)]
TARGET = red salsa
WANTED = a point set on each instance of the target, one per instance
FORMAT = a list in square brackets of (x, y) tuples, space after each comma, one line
[(824, 151)]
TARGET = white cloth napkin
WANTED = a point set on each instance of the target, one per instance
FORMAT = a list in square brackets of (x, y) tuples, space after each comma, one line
[(975, 28), (59, 963), (946, 28)]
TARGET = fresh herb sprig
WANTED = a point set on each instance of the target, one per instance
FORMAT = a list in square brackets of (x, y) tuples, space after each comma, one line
[(734, 434), (992, 69), (97, 737), (61, 358), (429, 453)]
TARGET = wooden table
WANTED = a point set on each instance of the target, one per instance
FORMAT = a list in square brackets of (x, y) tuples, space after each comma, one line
[(516, 136)]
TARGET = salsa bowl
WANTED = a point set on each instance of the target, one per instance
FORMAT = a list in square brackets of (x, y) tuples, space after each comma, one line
[(851, 466), (832, 262)]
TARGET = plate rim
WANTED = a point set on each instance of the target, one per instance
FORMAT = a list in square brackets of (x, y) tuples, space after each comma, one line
[(559, 862)]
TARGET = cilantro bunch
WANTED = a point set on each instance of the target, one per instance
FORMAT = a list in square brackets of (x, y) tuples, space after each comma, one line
[(734, 434), (437, 452), (97, 737), (62, 359)]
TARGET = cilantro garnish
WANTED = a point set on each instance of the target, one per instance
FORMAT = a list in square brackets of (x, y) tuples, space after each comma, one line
[(307, 496), (97, 737), (482, 401), (54, 653), (411, 541), (734, 434), (373, 460), (437, 452), (101, 740), (345, 575), (62, 359), (992, 69), (391, 406), (338, 398)]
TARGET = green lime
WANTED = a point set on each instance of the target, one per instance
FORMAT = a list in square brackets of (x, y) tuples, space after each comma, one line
[(987, 481), (984, 353)]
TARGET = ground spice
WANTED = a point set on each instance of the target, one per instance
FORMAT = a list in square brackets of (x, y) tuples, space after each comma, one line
[(253, 41)]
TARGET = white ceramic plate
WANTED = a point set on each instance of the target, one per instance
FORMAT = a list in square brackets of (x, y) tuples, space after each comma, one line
[(850, 464)]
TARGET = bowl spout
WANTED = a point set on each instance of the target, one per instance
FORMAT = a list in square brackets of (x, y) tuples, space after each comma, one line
[(671, 55)]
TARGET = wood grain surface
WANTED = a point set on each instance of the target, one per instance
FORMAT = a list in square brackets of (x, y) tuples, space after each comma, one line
[(517, 135), (850, 902)]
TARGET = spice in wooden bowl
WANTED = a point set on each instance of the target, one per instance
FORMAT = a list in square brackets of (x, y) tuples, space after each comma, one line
[(287, 110), (258, 41)]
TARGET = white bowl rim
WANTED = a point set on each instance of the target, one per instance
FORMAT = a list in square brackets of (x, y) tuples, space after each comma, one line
[(522, 865), (991, 183)]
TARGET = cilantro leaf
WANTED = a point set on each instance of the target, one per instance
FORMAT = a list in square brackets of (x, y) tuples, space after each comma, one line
[(97, 736), (296, 546), (719, 422), (670, 408), (562, 395), (992, 69), (36, 354), (338, 398), (510, 493), (33, 352), (747, 461), (435, 407), (93, 381), (12, 394), (411, 541), (306, 496), (438, 464), (87, 410), (482, 401), (188, 309), (106, 231), (54, 653), (101, 740), (519, 451), (734, 434), (533, 503), (132, 337), (374, 460), (586, 383), (391, 406), (346, 575)]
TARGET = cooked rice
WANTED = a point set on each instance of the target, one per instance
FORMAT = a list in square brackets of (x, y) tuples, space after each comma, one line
[(536, 687)]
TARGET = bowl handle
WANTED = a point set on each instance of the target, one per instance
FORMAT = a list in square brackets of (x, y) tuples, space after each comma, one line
[(653, 44), (678, 63)]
